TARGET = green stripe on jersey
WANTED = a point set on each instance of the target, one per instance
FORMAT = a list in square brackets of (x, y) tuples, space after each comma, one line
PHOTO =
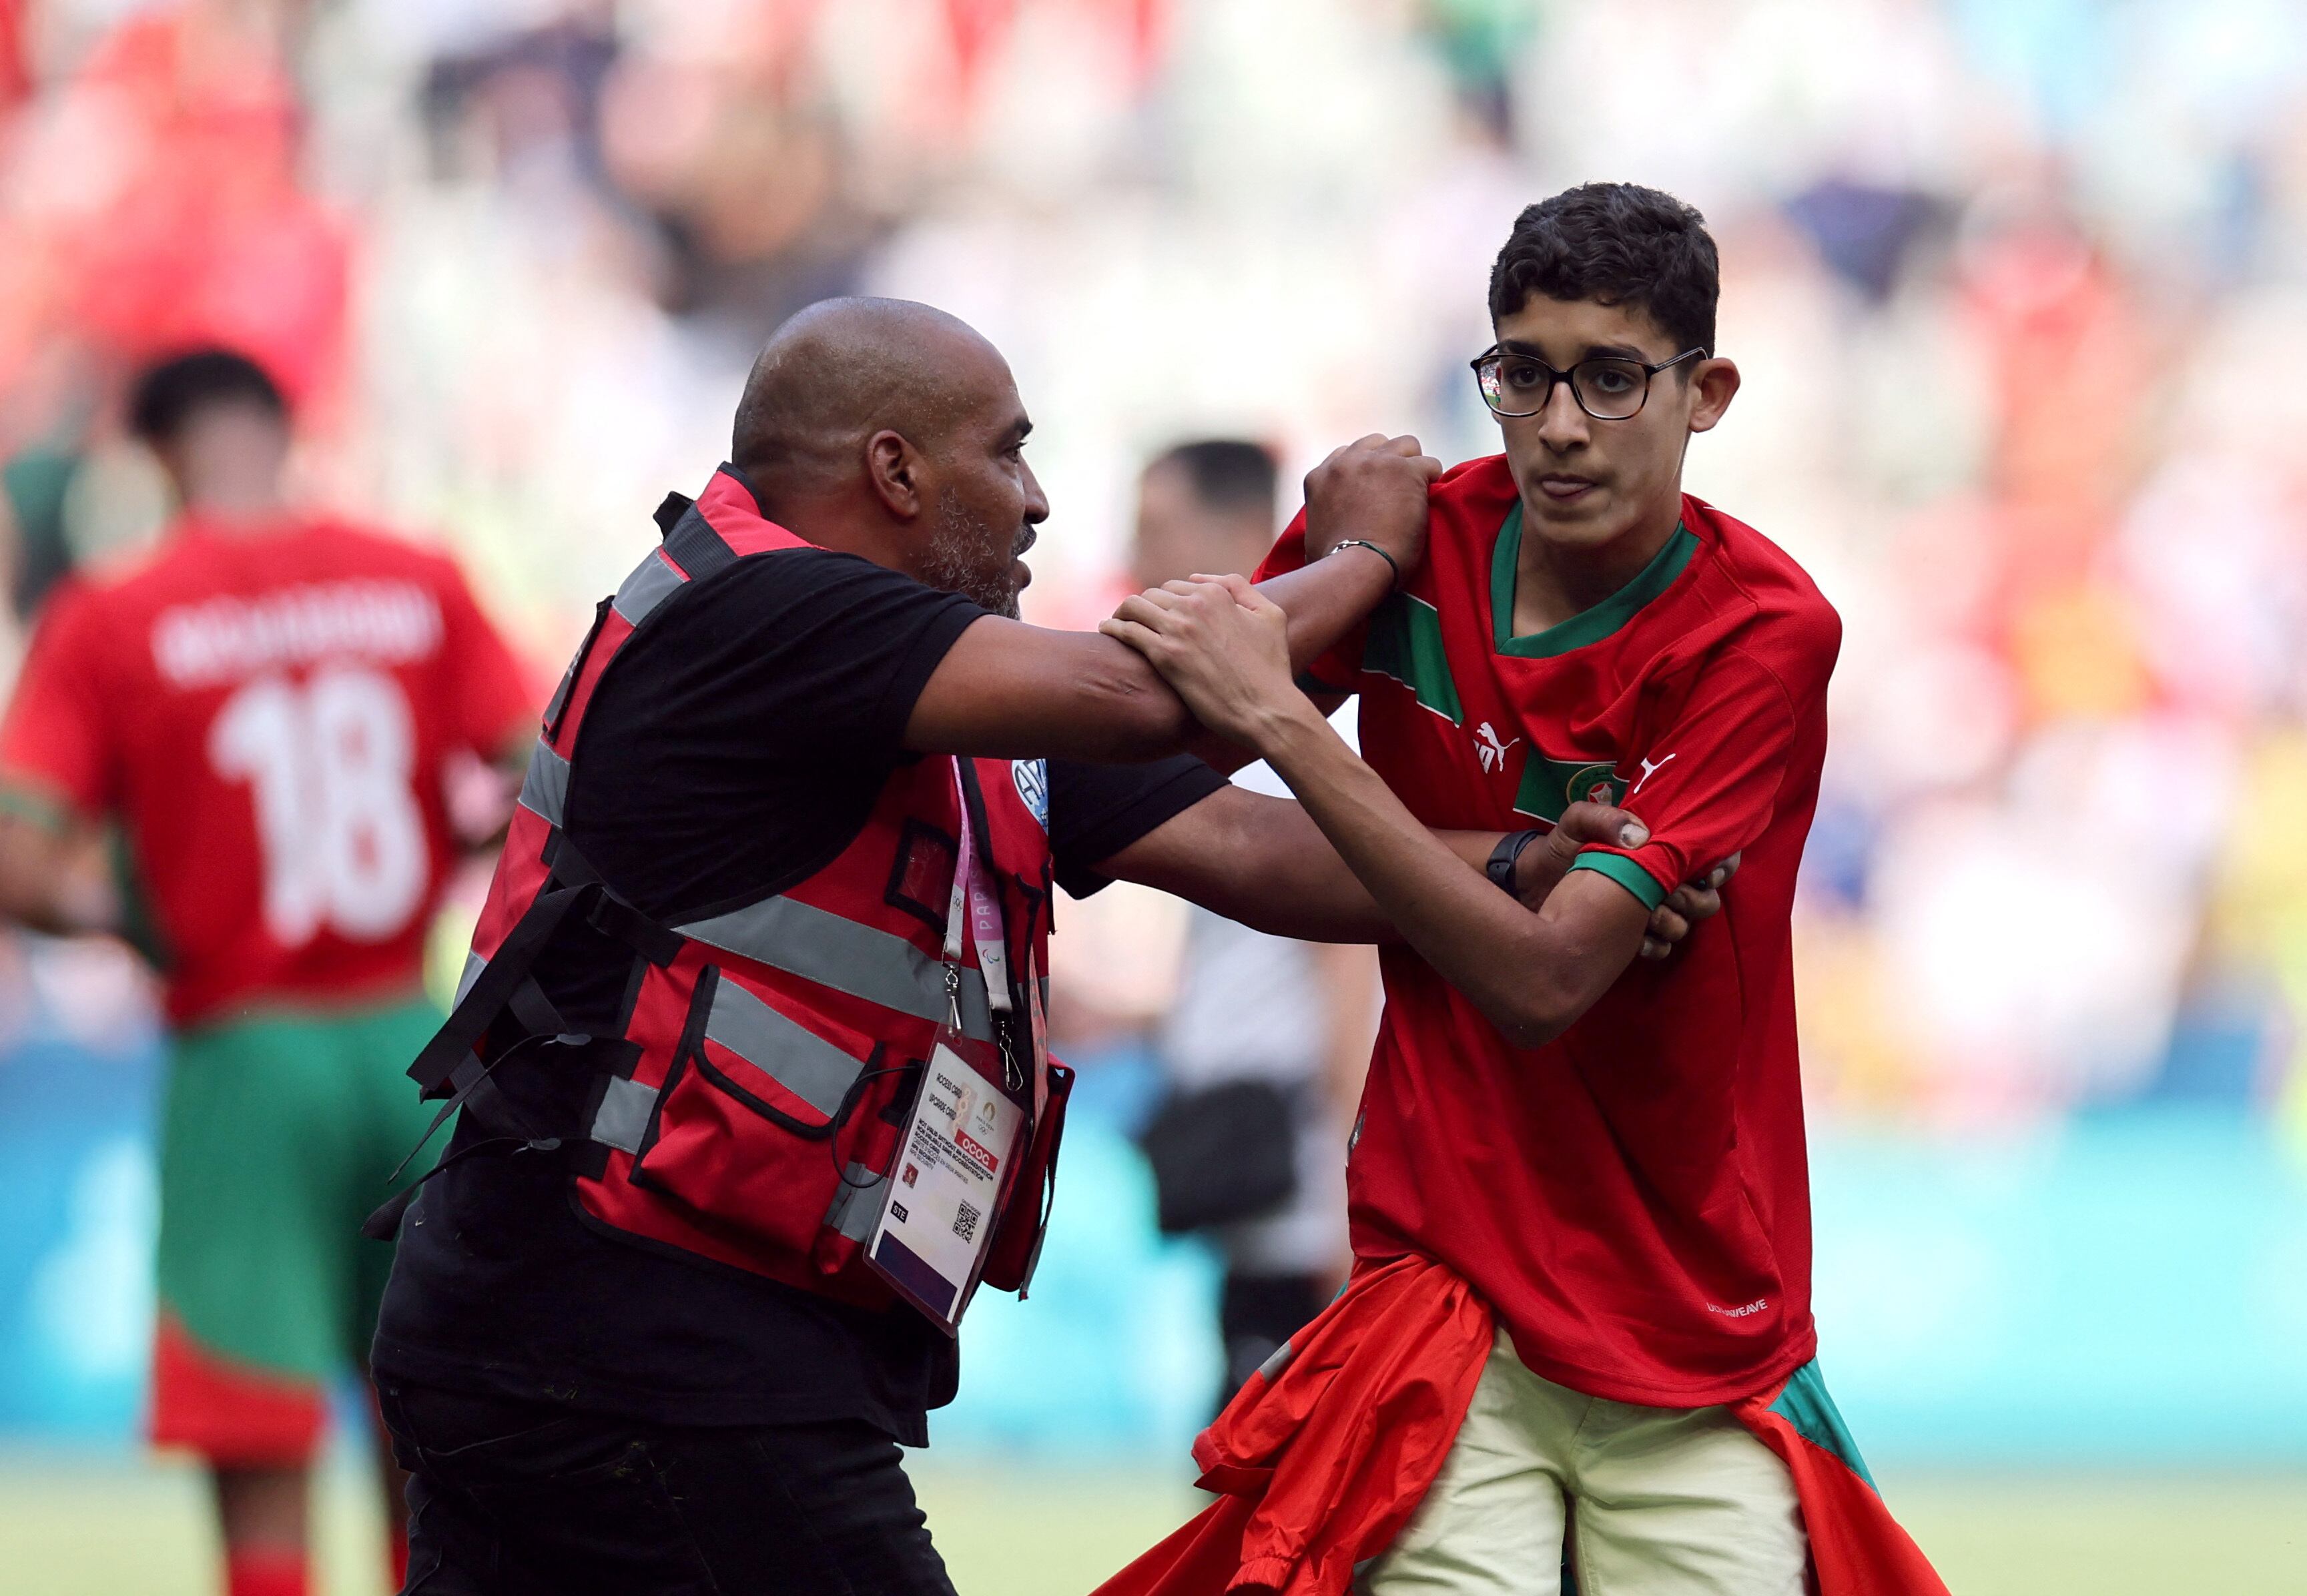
[(1587, 626), (1806, 1405), (1405, 643)]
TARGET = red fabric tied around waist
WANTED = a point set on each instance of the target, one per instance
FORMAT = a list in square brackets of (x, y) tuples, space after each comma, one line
[(1324, 1456), (1323, 1460)]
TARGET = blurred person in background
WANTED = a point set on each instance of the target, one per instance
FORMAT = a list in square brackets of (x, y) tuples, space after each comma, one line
[(1579, 1335), (269, 711), (665, 1316), (1262, 1051)]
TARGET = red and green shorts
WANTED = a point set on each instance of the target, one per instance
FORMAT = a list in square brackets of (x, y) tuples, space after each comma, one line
[(275, 1143)]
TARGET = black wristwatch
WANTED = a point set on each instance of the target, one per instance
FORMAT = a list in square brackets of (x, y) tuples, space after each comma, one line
[(1501, 867)]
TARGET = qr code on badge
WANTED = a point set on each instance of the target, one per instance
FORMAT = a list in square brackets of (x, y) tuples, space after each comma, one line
[(965, 1223)]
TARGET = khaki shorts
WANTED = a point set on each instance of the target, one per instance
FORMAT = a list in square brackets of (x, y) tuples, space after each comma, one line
[(1652, 1501)]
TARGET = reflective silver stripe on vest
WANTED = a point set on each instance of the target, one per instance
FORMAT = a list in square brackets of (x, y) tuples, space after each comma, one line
[(820, 946), (473, 965), (624, 1117), (544, 790), (800, 1061), (645, 590), (857, 1206)]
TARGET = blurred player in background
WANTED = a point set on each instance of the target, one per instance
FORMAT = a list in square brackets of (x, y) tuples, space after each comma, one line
[(1296, 1018), (267, 712)]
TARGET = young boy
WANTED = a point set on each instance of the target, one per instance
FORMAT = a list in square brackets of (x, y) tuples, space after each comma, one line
[(1609, 1153)]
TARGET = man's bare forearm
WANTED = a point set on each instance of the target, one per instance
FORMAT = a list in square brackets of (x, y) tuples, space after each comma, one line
[(1006, 689), (1009, 690)]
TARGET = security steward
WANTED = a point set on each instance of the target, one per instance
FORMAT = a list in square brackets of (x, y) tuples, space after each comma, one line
[(778, 894)]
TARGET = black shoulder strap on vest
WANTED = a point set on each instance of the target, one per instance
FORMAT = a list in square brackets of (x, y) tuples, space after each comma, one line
[(975, 793), (505, 983), (697, 548), (559, 706), (689, 538)]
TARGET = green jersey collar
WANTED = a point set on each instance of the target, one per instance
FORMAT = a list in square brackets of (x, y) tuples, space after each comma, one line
[(1588, 626)]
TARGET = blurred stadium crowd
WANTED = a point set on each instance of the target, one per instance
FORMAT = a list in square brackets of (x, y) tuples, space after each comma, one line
[(2018, 286)]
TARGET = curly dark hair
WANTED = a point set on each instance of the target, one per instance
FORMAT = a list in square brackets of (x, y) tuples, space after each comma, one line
[(1616, 244), (166, 394)]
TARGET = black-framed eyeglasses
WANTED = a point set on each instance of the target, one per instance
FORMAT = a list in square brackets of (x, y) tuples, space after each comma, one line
[(1608, 387)]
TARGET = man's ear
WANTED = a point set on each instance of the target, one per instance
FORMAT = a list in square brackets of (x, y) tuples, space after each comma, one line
[(894, 469), (1716, 382)]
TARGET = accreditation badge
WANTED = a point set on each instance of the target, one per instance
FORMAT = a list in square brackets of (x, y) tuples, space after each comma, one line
[(952, 1167)]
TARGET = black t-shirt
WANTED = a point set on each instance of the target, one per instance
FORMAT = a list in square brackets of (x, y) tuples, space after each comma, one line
[(736, 748)]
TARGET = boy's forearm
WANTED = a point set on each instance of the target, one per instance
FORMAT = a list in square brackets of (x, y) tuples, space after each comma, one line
[(1532, 975), (1324, 601)]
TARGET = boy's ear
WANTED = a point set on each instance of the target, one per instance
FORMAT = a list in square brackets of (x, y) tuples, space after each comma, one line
[(1715, 383)]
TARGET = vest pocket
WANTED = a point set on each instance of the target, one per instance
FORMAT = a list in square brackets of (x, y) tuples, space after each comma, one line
[(761, 1119)]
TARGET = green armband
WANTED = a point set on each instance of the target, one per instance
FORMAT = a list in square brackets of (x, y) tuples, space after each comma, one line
[(1627, 874)]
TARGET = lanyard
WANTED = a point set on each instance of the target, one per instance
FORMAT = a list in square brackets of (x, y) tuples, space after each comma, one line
[(956, 1166), (976, 909)]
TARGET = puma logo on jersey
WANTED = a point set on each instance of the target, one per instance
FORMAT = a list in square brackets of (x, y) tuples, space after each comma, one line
[(1489, 750), (1652, 769)]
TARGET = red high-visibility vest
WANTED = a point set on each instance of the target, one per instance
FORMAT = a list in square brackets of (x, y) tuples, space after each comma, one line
[(750, 1110)]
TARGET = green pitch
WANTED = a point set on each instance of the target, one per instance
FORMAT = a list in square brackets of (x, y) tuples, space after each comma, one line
[(75, 1527)]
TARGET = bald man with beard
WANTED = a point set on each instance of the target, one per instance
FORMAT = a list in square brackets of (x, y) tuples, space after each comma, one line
[(585, 1411)]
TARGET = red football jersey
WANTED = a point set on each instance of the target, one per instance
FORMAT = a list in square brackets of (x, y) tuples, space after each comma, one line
[(1634, 1198), (265, 714)]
